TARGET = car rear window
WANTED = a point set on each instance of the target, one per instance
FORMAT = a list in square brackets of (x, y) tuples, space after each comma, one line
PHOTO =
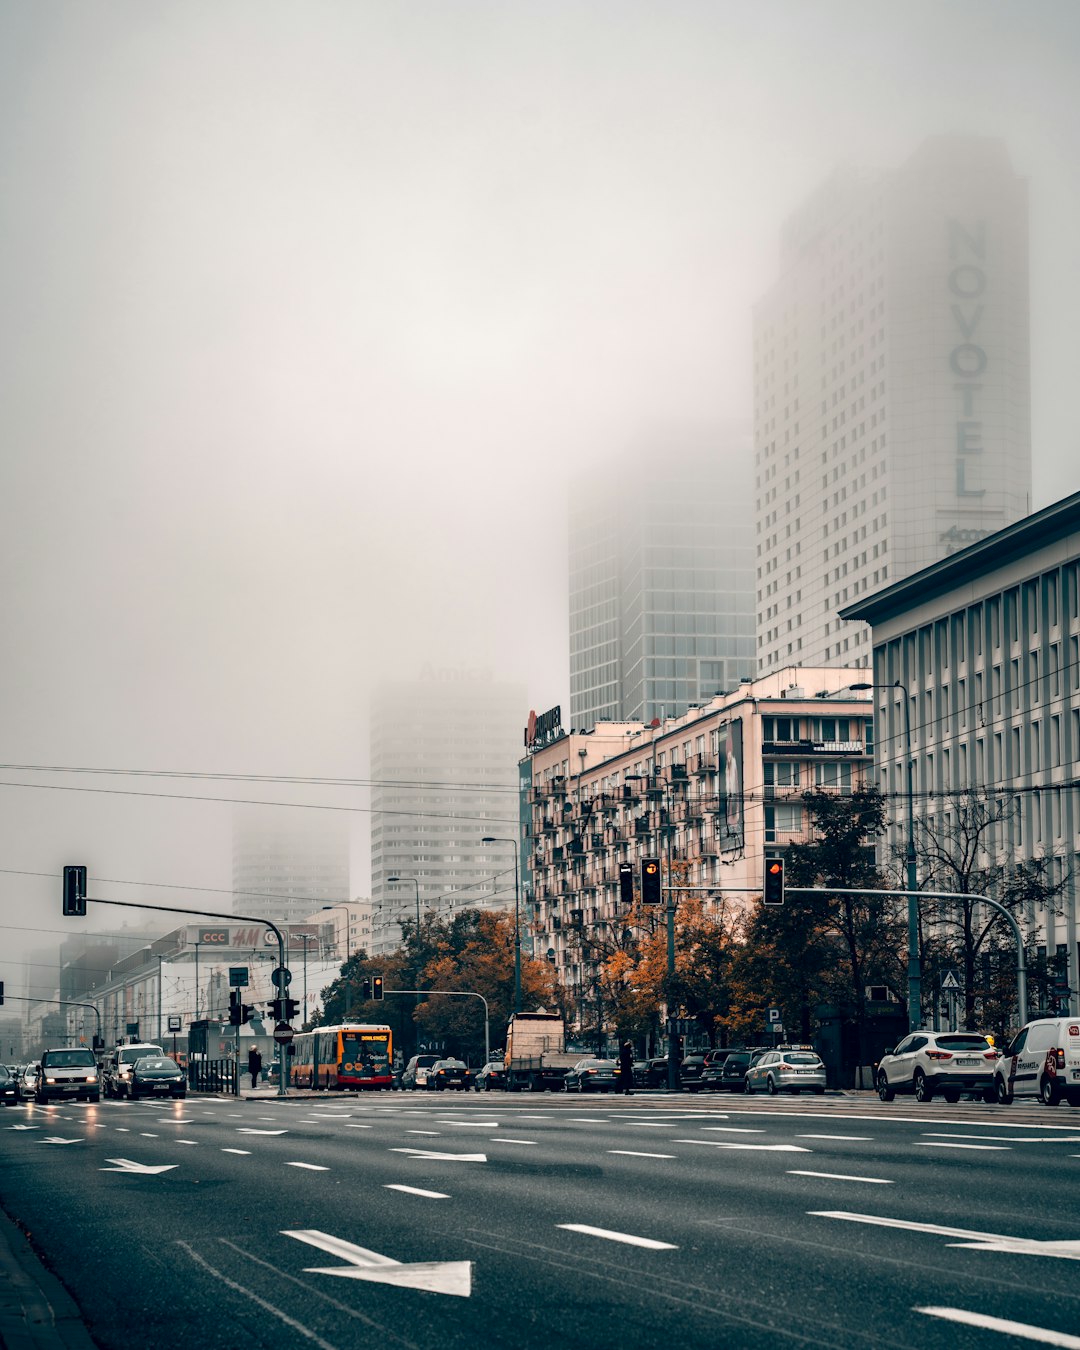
[(736, 1059), (800, 1057), (958, 1042)]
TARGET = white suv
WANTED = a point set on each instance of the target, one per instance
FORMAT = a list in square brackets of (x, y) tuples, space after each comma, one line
[(1043, 1061), (949, 1062), (118, 1067)]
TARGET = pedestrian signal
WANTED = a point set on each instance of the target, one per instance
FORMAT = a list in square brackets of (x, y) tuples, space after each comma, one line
[(650, 881), (365, 989), (626, 883), (774, 881)]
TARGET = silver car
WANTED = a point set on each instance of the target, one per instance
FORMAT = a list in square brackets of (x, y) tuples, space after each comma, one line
[(787, 1070)]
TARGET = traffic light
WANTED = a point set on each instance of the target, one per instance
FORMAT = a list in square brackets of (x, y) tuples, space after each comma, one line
[(74, 892), (247, 1011), (626, 883), (774, 881), (365, 989), (235, 1008), (277, 1009), (650, 881), (292, 1007), (376, 988)]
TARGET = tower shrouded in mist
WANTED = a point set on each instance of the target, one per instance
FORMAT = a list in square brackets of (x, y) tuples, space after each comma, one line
[(661, 579), (891, 389)]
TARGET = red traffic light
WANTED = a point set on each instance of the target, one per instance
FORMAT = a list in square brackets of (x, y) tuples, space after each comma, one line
[(774, 882)]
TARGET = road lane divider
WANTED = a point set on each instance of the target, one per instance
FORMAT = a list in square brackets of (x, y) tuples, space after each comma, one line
[(840, 1176), (630, 1239)]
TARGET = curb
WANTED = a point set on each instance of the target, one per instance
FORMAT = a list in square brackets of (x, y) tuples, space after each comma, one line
[(36, 1311)]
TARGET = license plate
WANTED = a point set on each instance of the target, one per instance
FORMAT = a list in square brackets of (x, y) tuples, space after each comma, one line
[(967, 1063)]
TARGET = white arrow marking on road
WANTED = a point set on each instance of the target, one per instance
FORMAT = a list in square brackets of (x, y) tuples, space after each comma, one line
[(629, 1238), (22, 1127), (986, 1242), (1019, 1329), (141, 1169), (446, 1157), (436, 1277), (52, 1140), (760, 1148)]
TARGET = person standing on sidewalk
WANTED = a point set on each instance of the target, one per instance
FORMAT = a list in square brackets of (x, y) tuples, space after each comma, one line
[(254, 1065)]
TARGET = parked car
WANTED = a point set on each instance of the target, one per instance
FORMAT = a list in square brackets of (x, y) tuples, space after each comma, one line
[(491, 1076), (8, 1092), (656, 1072), (592, 1075), (946, 1062), (68, 1072), (116, 1071), (640, 1070), (449, 1073), (690, 1072), (416, 1071), (786, 1070), (1043, 1061), (727, 1074)]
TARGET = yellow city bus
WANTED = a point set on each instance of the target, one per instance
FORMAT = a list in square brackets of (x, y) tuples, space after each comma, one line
[(352, 1056)]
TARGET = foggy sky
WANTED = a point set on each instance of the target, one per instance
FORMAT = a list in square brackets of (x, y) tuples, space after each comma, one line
[(307, 312)]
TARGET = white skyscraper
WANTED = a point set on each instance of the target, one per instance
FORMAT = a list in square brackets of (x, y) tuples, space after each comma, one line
[(891, 378), (284, 867)]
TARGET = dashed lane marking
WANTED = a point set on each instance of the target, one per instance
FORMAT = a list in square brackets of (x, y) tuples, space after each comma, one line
[(244, 1152), (631, 1239), (416, 1190), (496, 1140), (839, 1176), (630, 1153), (1021, 1330), (940, 1143), (308, 1167)]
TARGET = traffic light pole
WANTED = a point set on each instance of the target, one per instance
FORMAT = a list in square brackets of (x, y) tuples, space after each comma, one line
[(214, 914), (1021, 955), (456, 993), (63, 1003)]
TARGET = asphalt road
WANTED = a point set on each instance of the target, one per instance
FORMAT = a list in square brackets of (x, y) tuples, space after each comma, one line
[(543, 1221)]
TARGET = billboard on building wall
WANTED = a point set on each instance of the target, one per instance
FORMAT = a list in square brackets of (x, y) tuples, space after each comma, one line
[(729, 820)]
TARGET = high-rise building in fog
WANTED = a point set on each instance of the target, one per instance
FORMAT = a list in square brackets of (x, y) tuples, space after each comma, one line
[(891, 389), (444, 754), (285, 865), (661, 580)]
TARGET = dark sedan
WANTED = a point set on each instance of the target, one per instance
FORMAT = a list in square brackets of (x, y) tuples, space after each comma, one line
[(727, 1074), (690, 1072), (158, 1076), (449, 1073), (592, 1075), (491, 1076), (8, 1091)]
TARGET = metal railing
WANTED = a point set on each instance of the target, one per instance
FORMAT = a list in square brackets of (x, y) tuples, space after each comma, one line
[(214, 1075)]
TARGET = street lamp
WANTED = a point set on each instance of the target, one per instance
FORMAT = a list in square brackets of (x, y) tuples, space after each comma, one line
[(914, 964), (401, 881), (348, 920), (502, 839)]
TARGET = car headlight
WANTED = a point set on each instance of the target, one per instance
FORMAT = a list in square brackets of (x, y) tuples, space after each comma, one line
[(50, 1080), (91, 1077)]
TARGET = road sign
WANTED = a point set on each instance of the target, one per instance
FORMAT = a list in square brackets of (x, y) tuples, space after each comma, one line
[(238, 977), (283, 1033), (950, 983), (774, 1014), (175, 1022), (281, 977)]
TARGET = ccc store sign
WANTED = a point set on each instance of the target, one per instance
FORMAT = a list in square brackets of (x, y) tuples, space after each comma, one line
[(214, 937)]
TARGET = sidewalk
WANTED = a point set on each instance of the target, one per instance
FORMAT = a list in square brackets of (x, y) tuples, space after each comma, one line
[(36, 1312)]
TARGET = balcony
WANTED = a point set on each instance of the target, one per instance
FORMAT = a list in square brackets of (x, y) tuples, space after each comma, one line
[(701, 764), (817, 749)]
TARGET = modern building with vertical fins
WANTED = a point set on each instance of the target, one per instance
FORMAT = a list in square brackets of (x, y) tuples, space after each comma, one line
[(891, 389), (661, 580)]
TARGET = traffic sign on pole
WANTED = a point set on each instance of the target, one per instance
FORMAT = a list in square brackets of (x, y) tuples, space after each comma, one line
[(283, 1033), (238, 977), (281, 978)]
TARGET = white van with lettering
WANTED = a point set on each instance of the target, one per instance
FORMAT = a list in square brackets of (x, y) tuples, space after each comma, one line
[(1043, 1061)]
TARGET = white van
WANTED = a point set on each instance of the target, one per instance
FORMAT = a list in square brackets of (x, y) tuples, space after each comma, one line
[(1043, 1061)]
